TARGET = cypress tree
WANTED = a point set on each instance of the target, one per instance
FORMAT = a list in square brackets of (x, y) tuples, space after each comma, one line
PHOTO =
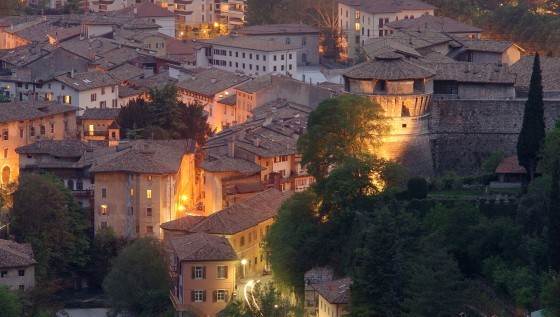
[(533, 131)]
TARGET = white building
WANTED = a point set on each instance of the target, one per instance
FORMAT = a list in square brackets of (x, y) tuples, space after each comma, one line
[(17, 265), (251, 56), (194, 13), (364, 19)]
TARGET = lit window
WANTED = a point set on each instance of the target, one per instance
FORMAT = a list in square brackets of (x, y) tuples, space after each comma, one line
[(132, 192), (149, 193), (357, 26), (149, 177), (103, 209), (67, 100)]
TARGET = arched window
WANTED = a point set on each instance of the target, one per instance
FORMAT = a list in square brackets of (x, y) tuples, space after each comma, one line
[(6, 174), (412, 17), (71, 184), (406, 17)]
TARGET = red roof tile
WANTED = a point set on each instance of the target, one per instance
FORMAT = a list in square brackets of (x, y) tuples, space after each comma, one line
[(510, 165)]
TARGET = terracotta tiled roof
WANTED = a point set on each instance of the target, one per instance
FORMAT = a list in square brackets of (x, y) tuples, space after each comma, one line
[(251, 43), (228, 164), (473, 73), (145, 9), (87, 80), (182, 224), (23, 55), (36, 33), (550, 68), (60, 148), (510, 165), (90, 49), (434, 23), (245, 214), (389, 69), (419, 39), (274, 29), (335, 292), (230, 100), (33, 109), (101, 113), (126, 72), (203, 247), (211, 81), (387, 6), (142, 156), (480, 45), (380, 46), (246, 188), (256, 84), (13, 254), (117, 56), (158, 80)]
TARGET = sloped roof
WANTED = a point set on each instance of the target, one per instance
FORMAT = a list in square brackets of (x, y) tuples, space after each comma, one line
[(256, 84), (126, 72), (228, 164), (275, 29), (387, 6), (203, 247), (87, 80), (33, 109), (335, 292), (480, 45), (434, 23), (59, 148), (243, 215), (13, 254), (473, 73), (142, 157), (146, 9), (182, 224), (101, 113), (210, 81), (381, 46), (550, 69), (388, 69), (510, 165), (64, 34), (251, 43)]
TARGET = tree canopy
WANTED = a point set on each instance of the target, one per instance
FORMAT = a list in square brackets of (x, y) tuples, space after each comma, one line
[(47, 215), (10, 303), (139, 282)]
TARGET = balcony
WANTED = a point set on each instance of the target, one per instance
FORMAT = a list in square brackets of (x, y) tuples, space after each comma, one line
[(186, 2), (183, 12)]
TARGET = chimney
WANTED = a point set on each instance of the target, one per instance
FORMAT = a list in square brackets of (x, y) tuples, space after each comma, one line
[(256, 142), (213, 80), (72, 73), (231, 147)]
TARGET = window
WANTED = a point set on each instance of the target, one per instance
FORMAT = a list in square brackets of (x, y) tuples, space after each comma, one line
[(32, 131), (103, 192), (71, 184), (242, 241), (221, 295), (274, 68), (67, 100), (52, 127), (21, 133), (103, 104), (42, 129), (198, 272), (303, 41), (149, 230), (5, 135), (104, 210), (404, 125), (79, 184), (282, 67), (5, 152), (4, 274), (243, 55), (257, 56), (290, 56), (93, 97), (21, 272), (264, 57), (222, 271), (149, 211), (149, 177), (264, 68), (63, 87), (274, 58), (282, 57), (445, 87), (198, 296), (288, 40), (149, 193), (132, 192), (102, 90), (113, 88), (380, 22), (104, 225)]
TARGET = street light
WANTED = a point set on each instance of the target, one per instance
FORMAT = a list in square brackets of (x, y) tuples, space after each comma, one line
[(243, 263)]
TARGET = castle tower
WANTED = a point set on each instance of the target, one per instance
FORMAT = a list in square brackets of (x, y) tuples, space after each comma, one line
[(403, 89)]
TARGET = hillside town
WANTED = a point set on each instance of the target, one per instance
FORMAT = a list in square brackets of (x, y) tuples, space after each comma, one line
[(172, 158)]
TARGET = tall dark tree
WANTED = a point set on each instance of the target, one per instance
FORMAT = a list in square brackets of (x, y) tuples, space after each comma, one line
[(9, 7), (260, 11), (47, 215), (378, 276), (533, 130)]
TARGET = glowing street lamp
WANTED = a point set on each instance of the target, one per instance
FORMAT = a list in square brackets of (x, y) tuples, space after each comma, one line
[(243, 263)]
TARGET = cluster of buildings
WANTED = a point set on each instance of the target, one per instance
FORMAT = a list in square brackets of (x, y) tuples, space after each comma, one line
[(67, 77)]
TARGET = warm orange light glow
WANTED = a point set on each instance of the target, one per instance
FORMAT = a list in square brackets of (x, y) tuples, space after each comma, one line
[(181, 208)]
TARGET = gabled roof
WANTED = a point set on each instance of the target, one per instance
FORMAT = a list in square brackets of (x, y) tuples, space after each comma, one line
[(182, 224), (550, 68), (229, 164), (434, 23), (87, 80), (391, 68), (101, 113), (256, 84), (251, 43), (203, 247), (13, 254), (245, 214), (126, 72), (466, 72), (278, 29), (61, 35), (387, 6), (479, 45), (510, 165), (142, 157), (335, 292), (145, 9), (211, 81), (33, 109), (59, 148)]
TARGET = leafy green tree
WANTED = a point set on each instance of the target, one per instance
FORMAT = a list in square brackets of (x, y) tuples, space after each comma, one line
[(73, 6), (417, 188), (378, 274), (550, 295), (136, 284), (271, 303), (9, 7), (490, 164), (104, 249), (260, 11), (340, 127), (292, 245), (47, 215), (533, 130), (435, 286), (10, 303), (235, 308)]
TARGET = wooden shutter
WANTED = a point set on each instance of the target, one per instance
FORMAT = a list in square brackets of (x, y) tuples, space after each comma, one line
[(226, 269), (226, 297), (192, 272), (214, 296), (204, 272), (203, 296), (192, 296)]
